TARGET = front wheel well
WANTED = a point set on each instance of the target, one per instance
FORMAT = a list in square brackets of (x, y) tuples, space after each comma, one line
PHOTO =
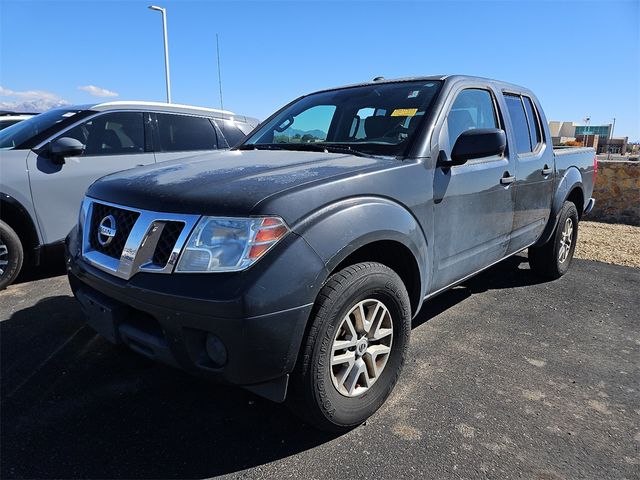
[(394, 255), (18, 219)]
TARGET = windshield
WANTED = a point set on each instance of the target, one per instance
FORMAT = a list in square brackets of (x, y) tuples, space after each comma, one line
[(30, 132), (372, 119)]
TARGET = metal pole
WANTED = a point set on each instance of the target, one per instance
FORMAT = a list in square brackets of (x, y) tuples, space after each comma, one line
[(163, 11), (166, 54), (586, 132), (611, 138), (219, 74)]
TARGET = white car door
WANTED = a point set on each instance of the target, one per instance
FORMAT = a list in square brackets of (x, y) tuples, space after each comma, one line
[(114, 141)]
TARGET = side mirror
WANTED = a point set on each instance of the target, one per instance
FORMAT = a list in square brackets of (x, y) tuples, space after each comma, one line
[(478, 143), (64, 147)]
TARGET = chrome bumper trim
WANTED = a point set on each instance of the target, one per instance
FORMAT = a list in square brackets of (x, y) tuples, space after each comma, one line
[(141, 243)]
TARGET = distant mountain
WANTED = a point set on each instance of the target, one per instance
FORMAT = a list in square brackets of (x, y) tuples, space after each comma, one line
[(32, 106)]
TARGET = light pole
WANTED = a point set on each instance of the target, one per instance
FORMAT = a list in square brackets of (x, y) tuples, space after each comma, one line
[(611, 138), (586, 130), (166, 48)]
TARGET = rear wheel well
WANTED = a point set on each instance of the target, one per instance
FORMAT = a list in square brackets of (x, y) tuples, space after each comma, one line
[(18, 219), (394, 255), (577, 198)]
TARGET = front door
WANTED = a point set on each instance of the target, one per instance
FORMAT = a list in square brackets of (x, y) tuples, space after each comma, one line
[(473, 203), (114, 141)]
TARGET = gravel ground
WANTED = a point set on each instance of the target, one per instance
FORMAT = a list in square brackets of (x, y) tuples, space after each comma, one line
[(609, 243)]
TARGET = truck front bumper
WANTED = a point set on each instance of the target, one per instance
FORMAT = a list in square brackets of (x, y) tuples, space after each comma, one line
[(239, 328)]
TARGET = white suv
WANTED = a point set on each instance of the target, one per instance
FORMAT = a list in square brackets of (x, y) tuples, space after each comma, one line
[(48, 161)]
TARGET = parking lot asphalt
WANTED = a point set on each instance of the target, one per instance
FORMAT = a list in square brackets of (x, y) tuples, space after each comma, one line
[(507, 377)]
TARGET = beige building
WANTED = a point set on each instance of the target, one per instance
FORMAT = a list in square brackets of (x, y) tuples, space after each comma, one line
[(562, 129)]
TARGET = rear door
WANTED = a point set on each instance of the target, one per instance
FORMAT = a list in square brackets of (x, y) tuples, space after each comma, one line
[(534, 171), (473, 203), (179, 136), (114, 141)]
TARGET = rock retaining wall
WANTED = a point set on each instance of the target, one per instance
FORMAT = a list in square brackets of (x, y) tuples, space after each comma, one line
[(617, 193)]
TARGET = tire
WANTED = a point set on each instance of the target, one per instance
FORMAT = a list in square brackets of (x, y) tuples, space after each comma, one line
[(552, 260), (11, 255), (325, 395)]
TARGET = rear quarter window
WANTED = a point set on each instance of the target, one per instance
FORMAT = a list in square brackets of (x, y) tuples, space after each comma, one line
[(232, 132), (534, 122)]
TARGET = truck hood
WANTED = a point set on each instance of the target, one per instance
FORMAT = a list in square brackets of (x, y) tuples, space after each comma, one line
[(228, 183)]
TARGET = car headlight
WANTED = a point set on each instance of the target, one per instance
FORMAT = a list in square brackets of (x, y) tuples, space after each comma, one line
[(225, 244)]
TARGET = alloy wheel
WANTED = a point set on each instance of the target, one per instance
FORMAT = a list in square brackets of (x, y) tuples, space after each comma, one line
[(566, 240), (4, 257), (361, 347)]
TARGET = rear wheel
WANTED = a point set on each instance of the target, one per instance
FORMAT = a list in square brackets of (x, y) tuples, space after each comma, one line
[(355, 348), (553, 259), (11, 255)]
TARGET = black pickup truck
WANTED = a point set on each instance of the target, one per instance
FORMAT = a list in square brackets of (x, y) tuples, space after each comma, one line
[(293, 264)]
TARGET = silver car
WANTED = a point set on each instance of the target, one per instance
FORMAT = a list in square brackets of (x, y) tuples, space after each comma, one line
[(8, 118), (48, 161)]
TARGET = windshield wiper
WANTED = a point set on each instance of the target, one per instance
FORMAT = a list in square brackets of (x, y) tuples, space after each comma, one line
[(324, 147), (347, 149), (263, 146), (305, 147)]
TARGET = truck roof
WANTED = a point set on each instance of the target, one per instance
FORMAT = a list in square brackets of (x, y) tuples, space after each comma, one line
[(449, 77)]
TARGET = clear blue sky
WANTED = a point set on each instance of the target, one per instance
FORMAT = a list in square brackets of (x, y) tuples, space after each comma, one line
[(580, 57)]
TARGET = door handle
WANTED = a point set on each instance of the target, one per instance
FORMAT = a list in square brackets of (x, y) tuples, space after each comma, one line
[(546, 170), (507, 179)]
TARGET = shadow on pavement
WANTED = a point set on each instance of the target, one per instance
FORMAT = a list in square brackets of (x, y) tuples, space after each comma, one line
[(51, 266), (74, 405), (512, 272)]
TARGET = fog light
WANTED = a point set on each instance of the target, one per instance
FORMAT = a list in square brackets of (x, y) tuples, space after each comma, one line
[(216, 350)]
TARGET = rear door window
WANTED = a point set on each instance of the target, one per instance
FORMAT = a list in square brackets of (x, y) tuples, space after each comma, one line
[(519, 123), (183, 133)]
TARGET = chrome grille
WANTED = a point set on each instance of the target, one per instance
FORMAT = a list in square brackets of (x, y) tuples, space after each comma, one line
[(125, 220), (144, 240), (166, 242)]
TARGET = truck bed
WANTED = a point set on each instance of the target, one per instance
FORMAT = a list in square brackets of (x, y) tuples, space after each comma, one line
[(582, 159)]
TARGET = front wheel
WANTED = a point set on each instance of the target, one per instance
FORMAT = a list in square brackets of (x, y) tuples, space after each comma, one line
[(553, 259), (355, 348), (11, 255)]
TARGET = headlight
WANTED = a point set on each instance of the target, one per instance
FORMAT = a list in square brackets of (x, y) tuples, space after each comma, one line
[(221, 244)]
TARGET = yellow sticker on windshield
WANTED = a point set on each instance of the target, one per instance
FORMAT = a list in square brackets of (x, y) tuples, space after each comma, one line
[(404, 112)]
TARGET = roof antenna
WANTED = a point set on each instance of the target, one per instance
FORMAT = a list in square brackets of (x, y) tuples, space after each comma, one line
[(219, 74), (378, 79)]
